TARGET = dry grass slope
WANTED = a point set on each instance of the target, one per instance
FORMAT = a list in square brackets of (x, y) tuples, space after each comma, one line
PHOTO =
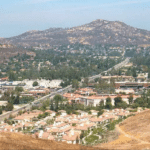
[(134, 133), (20, 141)]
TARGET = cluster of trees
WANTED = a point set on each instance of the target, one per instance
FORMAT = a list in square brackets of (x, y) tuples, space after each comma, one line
[(111, 125), (143, 101), (50, 121), (13, 97), (58, 103), (131, 71), (105, 87), (67, 66), (119, 103), (45, 114), (8, 107), (35, 83)]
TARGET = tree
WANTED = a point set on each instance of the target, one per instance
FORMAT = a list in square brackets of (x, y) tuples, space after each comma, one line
[(77, 140), (20, 112), (12, 76), (100, 112), (108, 100), (1, 111), (130, 98), (26, 99), (101, 104), (108, 103), (57, 99), (140, 102), (16, 101), (122, 105), (75, 84), (35, 83), (9, 107), (18, 89), (82, 135), (117, 100), (134, 72), (51, 106), (119, 103), (86, 81)]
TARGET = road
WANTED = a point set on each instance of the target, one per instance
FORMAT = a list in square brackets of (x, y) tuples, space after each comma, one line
[(123, 63), (28, 106)]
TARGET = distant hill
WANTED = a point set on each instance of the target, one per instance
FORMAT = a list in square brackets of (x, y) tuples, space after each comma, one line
[(95, 32)]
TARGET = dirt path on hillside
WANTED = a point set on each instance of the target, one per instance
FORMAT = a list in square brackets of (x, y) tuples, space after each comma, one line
[(134, 133), (130, 136)]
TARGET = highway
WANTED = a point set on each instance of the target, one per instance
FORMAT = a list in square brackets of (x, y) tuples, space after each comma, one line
[(123, 63), (61, 91), (28, 106)]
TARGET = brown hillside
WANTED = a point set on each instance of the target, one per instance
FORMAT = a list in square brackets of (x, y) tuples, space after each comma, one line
[(138, 126), (96, 32), (20, 141), (134, 133), (6, 53)]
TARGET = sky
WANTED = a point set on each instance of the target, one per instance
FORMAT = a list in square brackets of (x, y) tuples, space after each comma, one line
[(19, 16)]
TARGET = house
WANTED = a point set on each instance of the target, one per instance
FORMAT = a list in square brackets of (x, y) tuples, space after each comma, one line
[(54, 131), (90, 125), (72, 97), (20, 119), (133, 85), (27, 117), (85, 91), (3, 103), (53, 113), (108, 79), (81, 127), (4, 79), (97, 120), (63, 112), (45, 135), (94, 112), (82, 113), (126, 91), (122, 114), (18, 127), (95, 100), (71, 137), (51, 138), (141, 78), (9, 128), (39, 92), (40, 134), (64, 129)]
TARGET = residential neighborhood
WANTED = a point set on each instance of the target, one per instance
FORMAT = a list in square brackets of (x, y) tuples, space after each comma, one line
[(65, 128)]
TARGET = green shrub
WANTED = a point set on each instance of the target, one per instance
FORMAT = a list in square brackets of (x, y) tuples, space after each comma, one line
[(92, 138)]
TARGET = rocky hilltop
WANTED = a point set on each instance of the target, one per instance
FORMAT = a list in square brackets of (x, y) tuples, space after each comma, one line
[(95, 32)]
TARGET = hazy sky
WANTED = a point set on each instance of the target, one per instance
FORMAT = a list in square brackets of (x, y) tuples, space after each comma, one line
[(18, 16)]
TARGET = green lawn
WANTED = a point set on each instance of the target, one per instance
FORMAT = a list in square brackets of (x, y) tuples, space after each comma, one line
[(91, 139), (97, 130)]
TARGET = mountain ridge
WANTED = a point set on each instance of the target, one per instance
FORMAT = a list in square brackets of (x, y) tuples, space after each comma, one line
[(96, 32)]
